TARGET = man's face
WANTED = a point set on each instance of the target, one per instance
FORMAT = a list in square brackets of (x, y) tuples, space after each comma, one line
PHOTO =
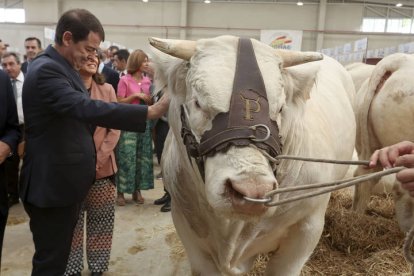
[(32, 49), (10, 66), (112, 53), (78, 53), (119, 64)]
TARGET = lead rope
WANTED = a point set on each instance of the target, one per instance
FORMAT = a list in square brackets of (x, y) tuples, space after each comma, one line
[(340, 184)]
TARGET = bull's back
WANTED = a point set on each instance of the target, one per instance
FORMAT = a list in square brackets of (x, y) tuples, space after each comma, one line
[(391, 114)]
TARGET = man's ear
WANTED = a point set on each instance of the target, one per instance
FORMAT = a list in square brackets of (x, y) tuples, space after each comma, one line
[(67, 38)]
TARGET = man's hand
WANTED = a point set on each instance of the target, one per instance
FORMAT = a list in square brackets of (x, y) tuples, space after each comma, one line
[(158, 109), (400, 154), (4, 151)]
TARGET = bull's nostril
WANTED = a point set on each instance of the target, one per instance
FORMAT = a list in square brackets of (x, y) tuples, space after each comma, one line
[(229, 189)]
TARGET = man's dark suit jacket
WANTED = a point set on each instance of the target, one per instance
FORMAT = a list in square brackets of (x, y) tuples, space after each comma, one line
[(24, 67), (9, 122), (111, 77), (60, 118)]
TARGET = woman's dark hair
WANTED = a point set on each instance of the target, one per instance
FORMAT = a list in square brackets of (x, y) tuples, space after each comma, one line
[(80, 23)]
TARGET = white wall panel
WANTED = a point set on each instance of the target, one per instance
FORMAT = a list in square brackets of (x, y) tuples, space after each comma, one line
[(130, 23)]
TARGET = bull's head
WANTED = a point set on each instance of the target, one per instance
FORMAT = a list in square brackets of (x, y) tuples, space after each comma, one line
[(222, 95)]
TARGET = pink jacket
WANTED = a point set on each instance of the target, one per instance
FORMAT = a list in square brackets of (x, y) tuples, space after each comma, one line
[(127, 86), (105, 139)]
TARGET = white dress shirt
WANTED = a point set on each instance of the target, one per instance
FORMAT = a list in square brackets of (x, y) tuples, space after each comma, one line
[(19, 86)]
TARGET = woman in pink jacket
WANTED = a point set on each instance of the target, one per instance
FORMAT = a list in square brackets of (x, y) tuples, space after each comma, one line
[(100, 202)]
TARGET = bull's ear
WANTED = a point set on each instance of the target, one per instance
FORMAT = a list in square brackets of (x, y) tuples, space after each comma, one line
[(183, 49), (169, 72), (292, 58), (299, 81)]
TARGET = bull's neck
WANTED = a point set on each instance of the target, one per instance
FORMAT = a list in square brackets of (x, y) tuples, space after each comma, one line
[(296, 143)]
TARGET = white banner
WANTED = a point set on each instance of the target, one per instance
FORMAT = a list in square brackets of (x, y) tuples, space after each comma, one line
[(282, 39), (361, 45)]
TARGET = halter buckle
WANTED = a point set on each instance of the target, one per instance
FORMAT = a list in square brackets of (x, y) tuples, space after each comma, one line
[(253, 138)]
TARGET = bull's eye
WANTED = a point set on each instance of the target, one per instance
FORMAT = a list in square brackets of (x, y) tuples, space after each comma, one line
[(197, 104), (281, 109)]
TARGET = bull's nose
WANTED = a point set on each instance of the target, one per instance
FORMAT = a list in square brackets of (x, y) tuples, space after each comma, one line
[(255, 187)]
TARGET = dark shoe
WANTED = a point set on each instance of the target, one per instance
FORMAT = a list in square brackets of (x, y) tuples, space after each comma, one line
[(96, 273), (13, 201), (166, 207), (163, 199)]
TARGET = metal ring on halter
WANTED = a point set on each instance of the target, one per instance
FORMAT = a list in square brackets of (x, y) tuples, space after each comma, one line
[(258, 200), (261, 139)]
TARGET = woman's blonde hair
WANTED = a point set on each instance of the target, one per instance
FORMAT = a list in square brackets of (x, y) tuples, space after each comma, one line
[(135, 60)]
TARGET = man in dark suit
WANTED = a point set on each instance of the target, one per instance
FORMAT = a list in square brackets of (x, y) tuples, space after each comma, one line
[(60, 118), (111, 76), (110, 56), (9, 136), (32, 46)]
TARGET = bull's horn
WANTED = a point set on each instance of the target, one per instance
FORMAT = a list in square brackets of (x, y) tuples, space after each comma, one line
[(183, 49), (292, 58)]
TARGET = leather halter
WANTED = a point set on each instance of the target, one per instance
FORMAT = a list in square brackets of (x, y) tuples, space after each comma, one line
[(247, 122)]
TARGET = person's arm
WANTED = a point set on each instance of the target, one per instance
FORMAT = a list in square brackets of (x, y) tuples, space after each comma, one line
[(57, 94), (10, 134), (400, 154)]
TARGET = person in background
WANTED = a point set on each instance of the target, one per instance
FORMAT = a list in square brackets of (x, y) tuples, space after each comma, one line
[(11, 65), (110, 56), (3, 48), (111, 76), (33, 46), (9, 137), (400, 154), (120, 61), (161, 130), (99, 205), (134, 151), (59, 165)]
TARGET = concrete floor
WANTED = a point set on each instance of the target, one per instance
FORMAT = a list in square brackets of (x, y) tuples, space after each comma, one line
[(144, 241)]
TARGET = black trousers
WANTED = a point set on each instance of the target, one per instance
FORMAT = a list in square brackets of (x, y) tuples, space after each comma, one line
[(4, 206), (161, 131), (12, 173), (52, 230)]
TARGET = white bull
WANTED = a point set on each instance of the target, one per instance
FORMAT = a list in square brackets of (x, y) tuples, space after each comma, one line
[(221, 231), (385, 115), (360, 72)]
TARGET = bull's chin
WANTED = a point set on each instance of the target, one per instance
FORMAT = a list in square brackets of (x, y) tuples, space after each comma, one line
[(244, 207)]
